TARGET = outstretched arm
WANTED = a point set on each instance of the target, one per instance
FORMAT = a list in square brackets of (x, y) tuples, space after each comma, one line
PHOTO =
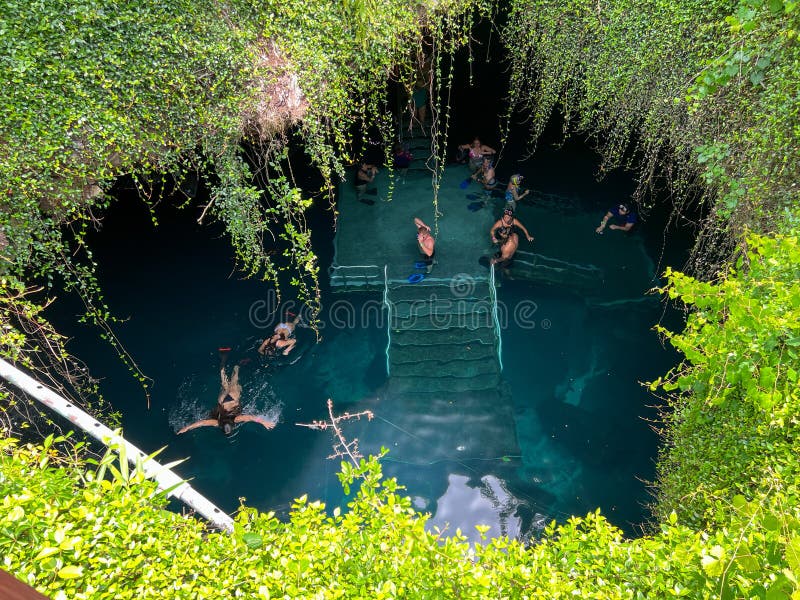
[(254, 419), (525, 231), (603, 223), (625, 227), (196, 424), (420, 223)]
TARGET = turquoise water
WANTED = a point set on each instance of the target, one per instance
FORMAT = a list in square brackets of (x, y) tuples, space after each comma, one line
[(576, 415)]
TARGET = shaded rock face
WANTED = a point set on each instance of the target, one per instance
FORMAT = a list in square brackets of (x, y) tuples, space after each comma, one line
[(278, 101)]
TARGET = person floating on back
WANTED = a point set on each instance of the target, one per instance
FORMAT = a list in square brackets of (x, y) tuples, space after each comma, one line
[(228, 411), (625, 219), (426, 244), (282, 339)]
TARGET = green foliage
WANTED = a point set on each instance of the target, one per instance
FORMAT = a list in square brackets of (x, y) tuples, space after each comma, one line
[(699, 92), (102, 88), (731, 456), (71, 533)]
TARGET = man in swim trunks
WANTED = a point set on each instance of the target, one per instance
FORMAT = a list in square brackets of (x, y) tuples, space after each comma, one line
[(282, 338), (503, 233), (476, 152), (228, 411), (426, 244), (364, 176), (621, 214), (512, 192)]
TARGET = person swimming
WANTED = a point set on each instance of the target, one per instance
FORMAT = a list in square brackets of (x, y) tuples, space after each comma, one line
[(228, 411), (282, 339), (512, 192)]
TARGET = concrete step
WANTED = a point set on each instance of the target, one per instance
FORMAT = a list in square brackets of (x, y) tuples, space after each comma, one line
[(438, 385), (404, 309), (468, 336), (441, 354), (459, 369)]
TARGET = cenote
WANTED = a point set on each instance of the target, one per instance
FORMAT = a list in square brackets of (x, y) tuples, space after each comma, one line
[(548, 420), (564, 428)]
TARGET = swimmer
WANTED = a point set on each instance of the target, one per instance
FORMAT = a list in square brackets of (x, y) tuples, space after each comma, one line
[(486, 175), (512, 192), (282, 338), (228, 411), (475, 152), (622, 214), (364, 176)]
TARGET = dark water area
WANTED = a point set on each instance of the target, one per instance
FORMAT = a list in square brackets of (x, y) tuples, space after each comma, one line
[(580, 411)]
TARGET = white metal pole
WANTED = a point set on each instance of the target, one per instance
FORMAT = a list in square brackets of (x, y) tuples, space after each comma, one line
[(166, 479)]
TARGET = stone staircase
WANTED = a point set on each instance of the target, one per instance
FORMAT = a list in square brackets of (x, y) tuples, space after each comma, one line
[(442, 339)]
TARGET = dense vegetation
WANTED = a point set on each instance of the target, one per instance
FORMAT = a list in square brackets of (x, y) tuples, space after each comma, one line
[(703, 96)]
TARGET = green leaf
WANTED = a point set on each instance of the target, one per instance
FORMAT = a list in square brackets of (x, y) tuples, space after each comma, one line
[(253, 540), (70, 572)]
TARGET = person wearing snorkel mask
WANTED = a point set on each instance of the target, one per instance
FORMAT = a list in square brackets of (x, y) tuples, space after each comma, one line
[(512, 191), (503, 233), (623, 216), (228, 411), (486, 175)]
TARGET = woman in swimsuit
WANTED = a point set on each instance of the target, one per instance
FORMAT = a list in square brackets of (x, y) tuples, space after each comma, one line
[(503, 233), (281, 339), (476, 152), (228, 411)]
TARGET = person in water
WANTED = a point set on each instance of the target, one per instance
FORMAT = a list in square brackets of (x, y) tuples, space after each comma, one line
[(402, 159), (625, 219), (475, 153), (426, 244), (512, 192), (503, 233), (228, 411), (486, 175), (364, 176), (282, 339)]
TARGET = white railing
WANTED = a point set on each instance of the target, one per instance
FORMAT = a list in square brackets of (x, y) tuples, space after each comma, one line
[(365, 277), (388, 314), (166, 479), (493, 295)]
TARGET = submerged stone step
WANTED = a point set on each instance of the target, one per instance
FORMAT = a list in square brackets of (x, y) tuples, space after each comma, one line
[(432, 337), (443, 307), (459, 369), (455, 290), (441, 354), (436, 385)]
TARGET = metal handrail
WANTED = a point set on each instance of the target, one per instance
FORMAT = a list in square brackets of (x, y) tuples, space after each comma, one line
[(165, 478), (388, 314), (493, 295)]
